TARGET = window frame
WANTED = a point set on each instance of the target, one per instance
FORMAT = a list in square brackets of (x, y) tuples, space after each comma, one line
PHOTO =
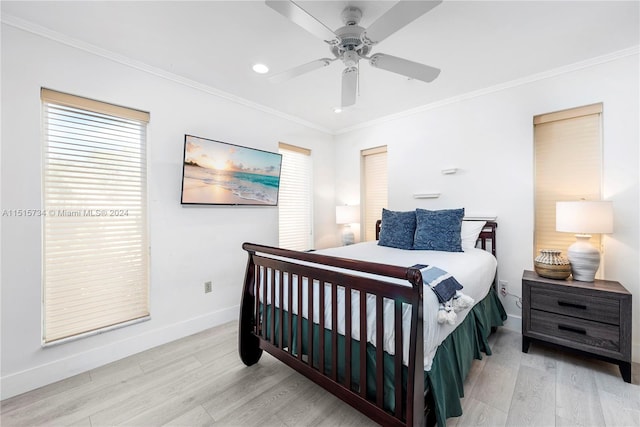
[(60, 101), (297, 151), (593, 113), (368, 216)]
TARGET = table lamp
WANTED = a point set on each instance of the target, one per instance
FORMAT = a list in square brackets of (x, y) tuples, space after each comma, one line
[(347, 215), (584, 218)]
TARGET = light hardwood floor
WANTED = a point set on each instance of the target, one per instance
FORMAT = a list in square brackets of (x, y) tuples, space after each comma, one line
[(199, 380)]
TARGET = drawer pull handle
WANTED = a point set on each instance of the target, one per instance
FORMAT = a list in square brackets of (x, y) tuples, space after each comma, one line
[(571, 304), (572, 329)]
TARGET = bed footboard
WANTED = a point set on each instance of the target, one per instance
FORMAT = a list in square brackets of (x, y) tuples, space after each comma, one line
[(291, 305)]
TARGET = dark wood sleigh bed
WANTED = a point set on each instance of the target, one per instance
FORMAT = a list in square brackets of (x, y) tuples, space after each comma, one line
[(381, 385)]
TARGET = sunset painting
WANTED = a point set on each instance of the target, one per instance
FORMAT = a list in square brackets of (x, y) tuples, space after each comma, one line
[(219, 173)]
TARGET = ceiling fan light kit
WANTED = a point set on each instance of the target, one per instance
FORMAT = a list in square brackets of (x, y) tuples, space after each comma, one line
[(351, 43)]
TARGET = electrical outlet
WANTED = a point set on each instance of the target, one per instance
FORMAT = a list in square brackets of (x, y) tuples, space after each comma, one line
[(207, 287), (503, 288)]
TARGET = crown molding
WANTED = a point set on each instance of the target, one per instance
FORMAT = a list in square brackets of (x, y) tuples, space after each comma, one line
[(141, 66), (613, 56), (90, 48)]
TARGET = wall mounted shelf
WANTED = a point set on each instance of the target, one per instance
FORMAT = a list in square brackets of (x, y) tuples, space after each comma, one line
[(481, 217), (426, 195)]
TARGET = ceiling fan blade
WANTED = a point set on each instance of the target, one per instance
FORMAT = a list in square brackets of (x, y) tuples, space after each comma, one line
[(301, 17), (401, 14), (300, 69), (404, 67), (349, 86)]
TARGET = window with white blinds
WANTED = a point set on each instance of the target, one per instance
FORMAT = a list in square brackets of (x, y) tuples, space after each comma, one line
[(295, 199), (568, 166), (374, 188), (95, 244)]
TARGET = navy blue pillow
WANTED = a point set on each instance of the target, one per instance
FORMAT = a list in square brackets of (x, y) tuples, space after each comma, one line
[(438, 230), (397, 229)]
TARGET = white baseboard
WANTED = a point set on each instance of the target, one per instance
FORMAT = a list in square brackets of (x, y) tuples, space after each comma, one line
[(38, 376), (513, 323)]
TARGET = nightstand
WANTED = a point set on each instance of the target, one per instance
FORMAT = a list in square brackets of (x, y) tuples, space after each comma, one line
[(593, 318)]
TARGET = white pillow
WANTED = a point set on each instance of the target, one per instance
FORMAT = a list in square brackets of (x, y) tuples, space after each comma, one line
[(469, 233)]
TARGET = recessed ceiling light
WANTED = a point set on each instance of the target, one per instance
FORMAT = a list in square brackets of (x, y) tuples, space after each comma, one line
[(260, 68), (337, 110)]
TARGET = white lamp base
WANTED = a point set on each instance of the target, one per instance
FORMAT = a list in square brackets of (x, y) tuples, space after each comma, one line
[(348, 238), (584, 259)]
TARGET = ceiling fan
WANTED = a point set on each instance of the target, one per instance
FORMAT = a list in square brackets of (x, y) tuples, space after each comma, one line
[(351, 43)]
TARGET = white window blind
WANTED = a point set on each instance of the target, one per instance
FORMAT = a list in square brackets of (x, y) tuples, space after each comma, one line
[(95, 245), (374, 191), (295, 199), (568, 166)]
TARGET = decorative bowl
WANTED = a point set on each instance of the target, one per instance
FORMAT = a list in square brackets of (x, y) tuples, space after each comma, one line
[(552, 265)]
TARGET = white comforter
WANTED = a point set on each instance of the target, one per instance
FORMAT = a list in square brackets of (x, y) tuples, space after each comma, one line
[(474, 269)]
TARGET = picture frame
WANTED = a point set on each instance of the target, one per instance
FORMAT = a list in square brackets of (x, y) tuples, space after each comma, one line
[(220, 173)]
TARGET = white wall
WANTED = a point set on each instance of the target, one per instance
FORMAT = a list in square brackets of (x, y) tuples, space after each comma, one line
[(489, 137), (189, 245)]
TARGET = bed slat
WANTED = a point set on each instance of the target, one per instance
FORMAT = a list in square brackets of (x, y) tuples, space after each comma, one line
[(334, 332), (379, 352), (281, 311), (263, 322), (273, 306), (347, 330), (310, 294), (363, 344), (397, 360), (290, 314), (321, 335), (299, 334)]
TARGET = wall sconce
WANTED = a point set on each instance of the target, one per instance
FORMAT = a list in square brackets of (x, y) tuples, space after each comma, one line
[(347, 215), (584, 217)]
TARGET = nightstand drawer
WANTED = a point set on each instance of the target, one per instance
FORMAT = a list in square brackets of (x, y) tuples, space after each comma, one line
[(590, 317), (594, 334), (599, 309)]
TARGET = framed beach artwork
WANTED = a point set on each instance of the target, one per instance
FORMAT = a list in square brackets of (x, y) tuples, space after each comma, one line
[(219, 173)]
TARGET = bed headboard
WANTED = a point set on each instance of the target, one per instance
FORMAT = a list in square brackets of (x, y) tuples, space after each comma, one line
[(486, 239)]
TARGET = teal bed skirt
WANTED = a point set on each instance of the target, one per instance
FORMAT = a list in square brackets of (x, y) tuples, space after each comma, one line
[(454, 356), (451, 363)]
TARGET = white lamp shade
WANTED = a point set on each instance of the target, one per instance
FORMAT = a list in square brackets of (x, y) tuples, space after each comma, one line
[(347, 214), (584, 217)]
